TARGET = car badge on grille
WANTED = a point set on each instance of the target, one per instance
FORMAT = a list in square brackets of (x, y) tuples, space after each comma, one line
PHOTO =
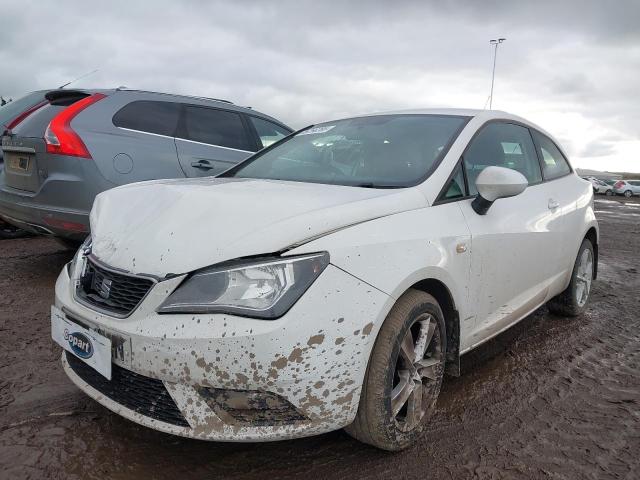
[(104, 289)]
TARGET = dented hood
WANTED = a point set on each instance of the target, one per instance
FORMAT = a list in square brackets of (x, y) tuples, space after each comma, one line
[(176, 226)]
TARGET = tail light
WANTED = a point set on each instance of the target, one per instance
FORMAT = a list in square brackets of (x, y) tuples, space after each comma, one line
[(619, 185), (60, 138), (14, 123)]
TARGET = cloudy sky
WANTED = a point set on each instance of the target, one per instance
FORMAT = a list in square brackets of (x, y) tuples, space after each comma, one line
[(573, 67)]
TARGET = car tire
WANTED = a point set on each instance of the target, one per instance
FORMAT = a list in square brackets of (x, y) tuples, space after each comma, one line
[(573, 300), (628, 193), (609, 193), (8, 231), (415, 324)]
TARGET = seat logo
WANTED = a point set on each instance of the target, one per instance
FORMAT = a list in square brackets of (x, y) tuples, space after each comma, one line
[(79, 343), (104, 289)]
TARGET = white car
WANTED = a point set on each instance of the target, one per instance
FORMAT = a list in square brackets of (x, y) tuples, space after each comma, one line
[(329, 281), (601, 187)]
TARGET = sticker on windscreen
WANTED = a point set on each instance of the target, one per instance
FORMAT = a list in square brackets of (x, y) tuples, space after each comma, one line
[(316, 130)]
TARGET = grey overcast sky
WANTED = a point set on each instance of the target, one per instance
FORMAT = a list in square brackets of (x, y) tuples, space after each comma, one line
[(571, 66)]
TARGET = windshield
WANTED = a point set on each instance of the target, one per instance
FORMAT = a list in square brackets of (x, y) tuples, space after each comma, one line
[(12, 109), (383, 151)]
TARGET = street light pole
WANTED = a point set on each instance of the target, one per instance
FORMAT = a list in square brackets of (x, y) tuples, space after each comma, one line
[(495, 43)]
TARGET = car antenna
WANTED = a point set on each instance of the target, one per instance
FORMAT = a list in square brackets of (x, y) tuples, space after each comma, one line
[(76, 79)]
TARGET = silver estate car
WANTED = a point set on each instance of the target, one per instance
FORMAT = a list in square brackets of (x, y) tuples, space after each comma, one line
[(81, 142)]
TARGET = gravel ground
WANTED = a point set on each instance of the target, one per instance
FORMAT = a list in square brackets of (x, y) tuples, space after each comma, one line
[(552, 397)]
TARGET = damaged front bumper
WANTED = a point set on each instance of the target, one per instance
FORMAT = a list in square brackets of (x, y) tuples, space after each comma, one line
[(229, 378)]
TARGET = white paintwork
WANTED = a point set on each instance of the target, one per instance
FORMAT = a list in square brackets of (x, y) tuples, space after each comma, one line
[(200, 222), (498, 268), (499, 182)]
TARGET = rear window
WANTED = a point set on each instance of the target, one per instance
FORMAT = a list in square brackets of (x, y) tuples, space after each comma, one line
[(12, 109), (215, 127), (268, 132), (160, 118)]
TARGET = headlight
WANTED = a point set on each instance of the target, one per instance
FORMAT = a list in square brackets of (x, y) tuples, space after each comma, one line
[(260, 288)]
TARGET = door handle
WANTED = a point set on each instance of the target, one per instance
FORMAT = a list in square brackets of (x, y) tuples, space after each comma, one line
[(553, 204), (202, 164)]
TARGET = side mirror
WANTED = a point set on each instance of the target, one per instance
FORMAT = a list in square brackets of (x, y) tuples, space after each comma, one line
[(494, 183)]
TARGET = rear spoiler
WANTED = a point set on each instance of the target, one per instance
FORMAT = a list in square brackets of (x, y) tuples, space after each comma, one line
[(63, 97)]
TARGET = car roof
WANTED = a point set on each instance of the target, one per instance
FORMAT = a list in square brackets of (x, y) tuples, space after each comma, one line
[(462, 112), (482, 115)]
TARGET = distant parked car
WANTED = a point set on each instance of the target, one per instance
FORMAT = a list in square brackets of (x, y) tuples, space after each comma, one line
[(628, 188), (601, 187), (82, 142)]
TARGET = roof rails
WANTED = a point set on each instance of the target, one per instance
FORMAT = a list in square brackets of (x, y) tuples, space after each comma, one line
[(125, 89)]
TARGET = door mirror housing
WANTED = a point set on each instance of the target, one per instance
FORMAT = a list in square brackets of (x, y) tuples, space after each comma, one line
[(494, 183)]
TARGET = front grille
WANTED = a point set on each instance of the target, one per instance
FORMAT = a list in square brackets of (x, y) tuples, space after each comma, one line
[(113, 292), (144, 395)]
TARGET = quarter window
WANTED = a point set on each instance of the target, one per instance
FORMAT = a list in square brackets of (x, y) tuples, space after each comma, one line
[(215, 127), (455, 188), (554, 165), (148, 116), (268, 132), (502, 145)]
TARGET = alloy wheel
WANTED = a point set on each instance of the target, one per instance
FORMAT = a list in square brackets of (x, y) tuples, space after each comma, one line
[(417, 368), (584, 277)]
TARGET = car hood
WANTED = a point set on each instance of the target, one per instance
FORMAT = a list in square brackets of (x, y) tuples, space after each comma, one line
[(176, 226)]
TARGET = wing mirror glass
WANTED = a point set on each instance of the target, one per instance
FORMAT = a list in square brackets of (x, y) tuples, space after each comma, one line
[(494, 183)]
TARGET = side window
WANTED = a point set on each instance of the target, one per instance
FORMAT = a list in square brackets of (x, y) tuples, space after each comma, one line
[(554, 165), (502, 145), (215, 127), (455, 187), (267, 131), (149, 116)]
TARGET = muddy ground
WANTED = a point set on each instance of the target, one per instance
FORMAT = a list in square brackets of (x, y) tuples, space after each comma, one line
[(551, 398)]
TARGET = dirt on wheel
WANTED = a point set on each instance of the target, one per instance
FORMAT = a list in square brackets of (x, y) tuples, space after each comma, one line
[(553, 397)]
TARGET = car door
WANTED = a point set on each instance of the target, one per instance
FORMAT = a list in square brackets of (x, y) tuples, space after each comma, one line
[(564, 194), (211, 140), (511, 244)]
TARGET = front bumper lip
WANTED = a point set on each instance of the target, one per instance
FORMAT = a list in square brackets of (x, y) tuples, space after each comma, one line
[(205, 425), (315, 356)]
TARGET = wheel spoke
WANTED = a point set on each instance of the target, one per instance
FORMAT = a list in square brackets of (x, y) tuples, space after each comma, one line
[(401, 392), (407, 349), (414, 407), (427, 327), (428, 368)]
